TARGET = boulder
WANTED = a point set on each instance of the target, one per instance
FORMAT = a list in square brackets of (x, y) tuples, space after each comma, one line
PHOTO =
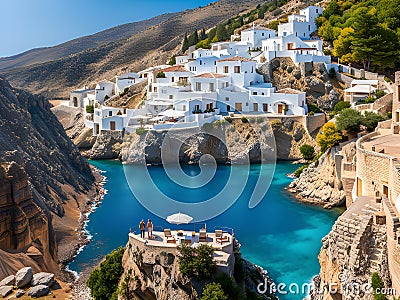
[(38, 291), (5, 291), (19, 293), (23, 277), (43, 278), (10, 280)]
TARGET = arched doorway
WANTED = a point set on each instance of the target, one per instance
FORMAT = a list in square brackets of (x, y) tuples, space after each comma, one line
[(75, 102)]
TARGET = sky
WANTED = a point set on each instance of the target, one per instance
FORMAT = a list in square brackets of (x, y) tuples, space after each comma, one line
[(27, 24)]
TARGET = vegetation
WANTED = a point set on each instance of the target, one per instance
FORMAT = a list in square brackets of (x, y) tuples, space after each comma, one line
[(213, 291), (228, 285), (140, 131), (363, 31), (328, 136), (245, 120), (349, 120), (103, 281), (172, 61), (197, 262), (307, 151), (371, 120), (377, 285), (313, 108), (90, 109), (207, 127), (341, 105), (124, 290), (160, 75)]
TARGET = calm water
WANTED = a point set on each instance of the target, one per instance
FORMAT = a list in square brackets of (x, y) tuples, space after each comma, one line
[(280, 234)]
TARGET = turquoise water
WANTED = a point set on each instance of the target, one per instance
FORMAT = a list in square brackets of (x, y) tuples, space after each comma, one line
[(280, 234)]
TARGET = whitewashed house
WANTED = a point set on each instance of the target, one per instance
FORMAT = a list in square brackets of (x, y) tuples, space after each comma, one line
[(126, 80), (255, 35), (103, 91), (359, 90), (301, 25), (77, 98)]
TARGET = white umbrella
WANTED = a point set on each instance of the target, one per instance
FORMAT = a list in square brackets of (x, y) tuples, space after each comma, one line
[(170, 113), (140, 117), (179, 218)]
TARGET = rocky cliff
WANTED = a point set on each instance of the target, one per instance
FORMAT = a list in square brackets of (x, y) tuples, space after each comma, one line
[(45, 180)]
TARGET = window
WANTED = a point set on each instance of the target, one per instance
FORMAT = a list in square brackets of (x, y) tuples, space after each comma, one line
[(247, 103), (237, 69), (226, 69), (309, 27), (171, 96), (226, 98), (263, 34), (110, 113), (201, 62), (198, 86), (212, 89), (254, 93), (228, 108), (255, 106), (265, 107), (172, 78), (155, 89)]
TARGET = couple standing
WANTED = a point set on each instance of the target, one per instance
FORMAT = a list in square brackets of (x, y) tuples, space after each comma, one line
[(142, 227)]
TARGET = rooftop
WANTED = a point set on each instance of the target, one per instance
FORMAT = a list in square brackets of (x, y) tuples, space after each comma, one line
[(178, 68), (210, 75), (385, 144)]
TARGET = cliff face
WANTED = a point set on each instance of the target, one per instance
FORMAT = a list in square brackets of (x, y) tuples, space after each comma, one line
[(24, 226), (44, 179)]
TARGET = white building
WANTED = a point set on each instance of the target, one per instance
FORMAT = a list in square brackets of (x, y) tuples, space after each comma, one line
[(301, 25), (256, 34), (360, 89), (126, 80), (77, 98), (103, 91)]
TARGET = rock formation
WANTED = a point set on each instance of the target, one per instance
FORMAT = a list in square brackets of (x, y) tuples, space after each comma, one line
[(41, 174)]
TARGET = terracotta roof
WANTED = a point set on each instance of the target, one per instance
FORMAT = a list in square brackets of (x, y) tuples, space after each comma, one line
[(210, 75), (288, 91), (174, 69), (236, 58)]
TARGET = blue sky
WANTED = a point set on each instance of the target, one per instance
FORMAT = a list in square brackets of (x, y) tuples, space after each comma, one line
[(27, 24)]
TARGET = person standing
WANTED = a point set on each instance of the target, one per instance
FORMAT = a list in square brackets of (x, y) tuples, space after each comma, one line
[(150, 229), (142, 227)]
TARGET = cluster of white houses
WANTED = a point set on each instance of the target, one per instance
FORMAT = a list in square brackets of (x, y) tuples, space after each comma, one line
[(208, 83)]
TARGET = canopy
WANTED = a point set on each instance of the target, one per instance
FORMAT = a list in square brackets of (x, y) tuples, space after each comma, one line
[(361, 89), (179, 218), (170, 113)]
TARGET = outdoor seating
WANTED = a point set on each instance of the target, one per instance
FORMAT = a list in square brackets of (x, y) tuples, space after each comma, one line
[(203, 235), (167, 233), (171, 240), (220, 237)]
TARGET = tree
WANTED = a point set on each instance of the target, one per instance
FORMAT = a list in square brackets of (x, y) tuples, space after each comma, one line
[(331, 9), (349, 120), (213, 291), (371, 120), (197, 262), (103, 281), (125, 290), (328, 136), (307, 151), (222, 33), (172, 61), (228, 285), (203, 35), (90, 109), (160, 74), (341, 105), (193, 38), (342, 45), (377, 285), (185, 44)]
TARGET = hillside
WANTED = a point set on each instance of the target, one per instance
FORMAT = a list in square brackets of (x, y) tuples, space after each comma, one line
[(41, 55), (155, 45)]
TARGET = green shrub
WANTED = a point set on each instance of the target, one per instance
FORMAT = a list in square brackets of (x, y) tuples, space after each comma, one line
[(313, 108), (307, 151), (275, 123), (341, 105), (379, 94), (311, 113), (207, 127), (103, 281), (89, 109), (229, 119), (300, 170), (227, 284), (332, 73), (245, 120), (140, 131), (389, 115), (371, 120), (377, 285), (370, 99), (197, 262), (260, 120), (172, 61), (349, 120), (160, 75), (252, 120), (213, 291), (328, 136)]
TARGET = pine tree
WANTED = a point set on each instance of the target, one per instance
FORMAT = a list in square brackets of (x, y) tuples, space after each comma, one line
[(185, 44), (193, 38), (203, 34), (222, 34)]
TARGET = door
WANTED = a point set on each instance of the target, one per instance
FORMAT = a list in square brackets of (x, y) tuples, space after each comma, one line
[(238, 106), (75, 102), (228, 108), (112, 125), (359, 187), (386, 191), (280, 108), (255, 106), (265, 107)]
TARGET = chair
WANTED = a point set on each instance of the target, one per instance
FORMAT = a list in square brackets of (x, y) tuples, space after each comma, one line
[(167, 233), (203, 235), (220, 237), (171, 240)]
